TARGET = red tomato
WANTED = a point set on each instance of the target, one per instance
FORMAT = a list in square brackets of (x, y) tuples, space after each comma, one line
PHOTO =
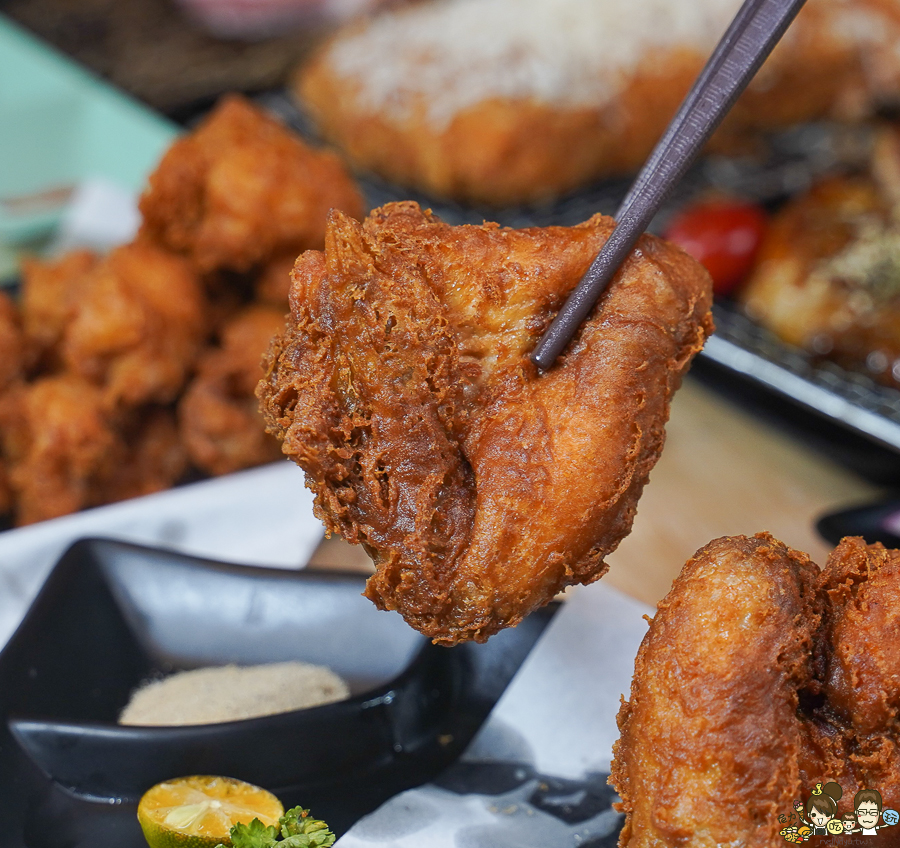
[(723, 235)]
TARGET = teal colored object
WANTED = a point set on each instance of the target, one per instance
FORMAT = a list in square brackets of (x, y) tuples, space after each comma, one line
[(60, 124)]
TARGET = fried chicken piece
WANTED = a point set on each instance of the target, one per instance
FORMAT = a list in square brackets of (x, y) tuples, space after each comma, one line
[(138, 326), (403, 389), (758, 678), (709, 740), (6, 493), (826, 277), (273, 285), (150, 458), (51, 291), (241, 188), (862, 635), (58, 441), (12, 343), (219, 416)]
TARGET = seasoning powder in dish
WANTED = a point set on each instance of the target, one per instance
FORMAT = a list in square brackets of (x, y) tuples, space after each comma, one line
[(229, 693)]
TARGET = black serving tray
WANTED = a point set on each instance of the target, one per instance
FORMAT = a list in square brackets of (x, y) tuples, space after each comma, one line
[(113, 614)]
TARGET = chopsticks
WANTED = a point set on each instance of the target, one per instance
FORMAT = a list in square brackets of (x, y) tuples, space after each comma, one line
[(755, 30)]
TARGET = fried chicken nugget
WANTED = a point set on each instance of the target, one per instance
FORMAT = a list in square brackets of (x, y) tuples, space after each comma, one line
[(138, 326), (710, 738), (150, 457), (58, 441), (241, 188), (403, 389), (219, 416), (12, 343), (51, 291)]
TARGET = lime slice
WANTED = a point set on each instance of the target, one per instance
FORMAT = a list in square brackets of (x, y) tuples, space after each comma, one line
[(199, 811)]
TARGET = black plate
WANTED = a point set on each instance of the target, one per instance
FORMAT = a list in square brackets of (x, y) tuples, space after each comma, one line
[(113, 614), (876, 522)]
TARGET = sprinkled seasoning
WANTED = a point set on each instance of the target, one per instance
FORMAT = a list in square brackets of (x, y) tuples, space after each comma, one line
[(229, 693), (870, 263)]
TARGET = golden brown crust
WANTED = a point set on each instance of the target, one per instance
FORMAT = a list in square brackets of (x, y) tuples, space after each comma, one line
[(403, 389), (242, 188), (758, 678)]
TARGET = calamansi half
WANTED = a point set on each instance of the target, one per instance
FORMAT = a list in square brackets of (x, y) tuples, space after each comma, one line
[(199, 811)]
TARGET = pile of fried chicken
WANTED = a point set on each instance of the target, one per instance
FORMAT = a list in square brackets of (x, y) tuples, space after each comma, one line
[(120, 373), (402, 386), (759, 677)]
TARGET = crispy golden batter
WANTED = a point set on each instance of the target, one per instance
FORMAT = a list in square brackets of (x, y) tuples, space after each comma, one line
[(219, 416), (241, 188), (138, 326), (51, 291), (402, 387), (758, 678), (58, 441)]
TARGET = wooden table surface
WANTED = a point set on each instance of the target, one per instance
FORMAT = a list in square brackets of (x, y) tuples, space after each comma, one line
[(723, 472)]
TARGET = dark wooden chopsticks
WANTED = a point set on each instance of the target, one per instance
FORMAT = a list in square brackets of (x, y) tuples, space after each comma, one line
[(755, 30)]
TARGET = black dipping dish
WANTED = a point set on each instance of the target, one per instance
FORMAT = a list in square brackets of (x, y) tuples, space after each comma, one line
[(112, 615)]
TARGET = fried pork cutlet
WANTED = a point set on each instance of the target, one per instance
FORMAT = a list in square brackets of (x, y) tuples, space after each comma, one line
[(403, 389), (760, 677), (241, 188)]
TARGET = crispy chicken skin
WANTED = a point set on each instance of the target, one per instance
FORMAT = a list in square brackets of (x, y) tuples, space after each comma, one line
[(219, 416), (242, 188), (402, 388), (759, 677), (138, 326)]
